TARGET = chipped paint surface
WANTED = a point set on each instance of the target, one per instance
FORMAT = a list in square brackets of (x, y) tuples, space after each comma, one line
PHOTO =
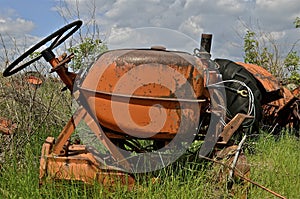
[(269, 82), (144, 85)]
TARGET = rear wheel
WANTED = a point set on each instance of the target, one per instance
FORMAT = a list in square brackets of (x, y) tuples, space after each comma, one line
[(237, 95)]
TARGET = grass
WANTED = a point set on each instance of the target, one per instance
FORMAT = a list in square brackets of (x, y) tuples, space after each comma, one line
[(274, 164)]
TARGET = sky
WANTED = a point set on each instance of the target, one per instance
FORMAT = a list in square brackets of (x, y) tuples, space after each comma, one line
[(177, 24)]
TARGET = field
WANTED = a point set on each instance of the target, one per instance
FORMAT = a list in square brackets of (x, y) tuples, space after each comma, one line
[(42, 112)]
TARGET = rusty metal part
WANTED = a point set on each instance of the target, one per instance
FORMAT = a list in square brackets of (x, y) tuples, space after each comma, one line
[(6, 126), (268, 82), (103, 90), (139, 109), (79, 164), (33, 78), (56, 159), (203, 52), (296, 92), (226, 155), (232, 127), (67, 131), (235, 166), (244, 177), (35, 81), (279, 103), (283, 111), (111, 66), (60, 147), (63, 60), (66, 76), (206, 42)]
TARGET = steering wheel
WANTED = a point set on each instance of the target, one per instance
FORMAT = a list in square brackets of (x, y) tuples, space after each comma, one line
[(14, 68)]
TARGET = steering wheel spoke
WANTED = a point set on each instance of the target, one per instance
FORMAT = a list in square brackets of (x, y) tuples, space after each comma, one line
[(55, 42)]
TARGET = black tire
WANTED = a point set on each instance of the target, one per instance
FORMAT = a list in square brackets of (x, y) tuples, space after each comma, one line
[(236, 103)]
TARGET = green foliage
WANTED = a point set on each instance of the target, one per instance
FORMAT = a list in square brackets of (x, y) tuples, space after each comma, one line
[(291, 62), (297, 22), (34, 55), (254, 53), (250, 46), (86, 49), (258, 52)]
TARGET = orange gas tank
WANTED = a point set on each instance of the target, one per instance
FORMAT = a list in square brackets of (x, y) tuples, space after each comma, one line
[(145, 93)]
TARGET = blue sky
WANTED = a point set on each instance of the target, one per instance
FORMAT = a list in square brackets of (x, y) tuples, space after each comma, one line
[(38, 11), (227, 20)]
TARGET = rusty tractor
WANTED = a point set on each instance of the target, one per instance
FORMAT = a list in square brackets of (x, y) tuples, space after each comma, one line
[(167, 98)]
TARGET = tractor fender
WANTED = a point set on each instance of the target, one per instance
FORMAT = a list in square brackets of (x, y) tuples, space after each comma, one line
[(268, 84)]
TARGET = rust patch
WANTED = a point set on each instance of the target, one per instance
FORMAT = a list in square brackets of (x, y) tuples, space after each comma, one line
[(6, 126), (136, 81), (34, 80), (282, 112), (271, 87), (269, 82), (296, 92), (80, 165)]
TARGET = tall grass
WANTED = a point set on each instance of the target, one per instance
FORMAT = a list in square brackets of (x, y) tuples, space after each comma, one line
[(274, 164), (33, 110)]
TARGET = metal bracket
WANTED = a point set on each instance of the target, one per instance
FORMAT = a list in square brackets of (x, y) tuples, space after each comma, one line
[(232, 127)]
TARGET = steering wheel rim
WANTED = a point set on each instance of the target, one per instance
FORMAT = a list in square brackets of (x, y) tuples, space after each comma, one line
[(13, 68)]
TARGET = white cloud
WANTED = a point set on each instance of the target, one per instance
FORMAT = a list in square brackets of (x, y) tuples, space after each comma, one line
[(191, 17), (192, 25), (277, 15), (150, 36), (15, 26), (11, 24), (121, 35), (222, 18), (15, 37)]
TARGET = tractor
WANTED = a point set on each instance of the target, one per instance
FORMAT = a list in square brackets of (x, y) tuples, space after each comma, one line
[(146, 106)]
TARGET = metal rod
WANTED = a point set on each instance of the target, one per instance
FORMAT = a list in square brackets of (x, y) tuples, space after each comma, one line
[(206, 40)]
